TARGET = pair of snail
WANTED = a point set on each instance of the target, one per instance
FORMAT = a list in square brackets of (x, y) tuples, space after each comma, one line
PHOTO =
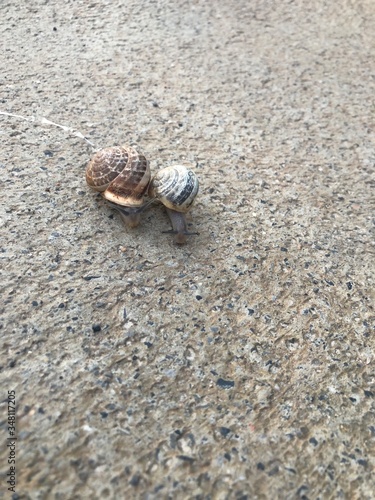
[(123, 177)]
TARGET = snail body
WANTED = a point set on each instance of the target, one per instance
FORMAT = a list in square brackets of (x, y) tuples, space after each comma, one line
[(176, 187), (122, 175)]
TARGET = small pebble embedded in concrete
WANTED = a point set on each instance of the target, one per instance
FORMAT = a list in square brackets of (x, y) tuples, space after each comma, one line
[(224, 431), (225, 384), (135, 480), (185, 458)]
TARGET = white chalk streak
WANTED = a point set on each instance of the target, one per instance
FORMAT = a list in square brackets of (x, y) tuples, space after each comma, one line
[(44, 121)]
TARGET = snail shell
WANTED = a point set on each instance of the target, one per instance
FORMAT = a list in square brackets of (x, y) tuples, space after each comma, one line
[(176, 187), (122, 175)]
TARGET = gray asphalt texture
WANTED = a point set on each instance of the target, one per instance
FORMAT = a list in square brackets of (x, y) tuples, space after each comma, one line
[(240, 366)]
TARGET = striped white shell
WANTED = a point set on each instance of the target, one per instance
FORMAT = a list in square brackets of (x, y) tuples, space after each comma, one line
[(121, 174), (176, 187)]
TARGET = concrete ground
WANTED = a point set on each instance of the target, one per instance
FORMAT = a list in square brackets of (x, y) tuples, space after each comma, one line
[(240, 366)]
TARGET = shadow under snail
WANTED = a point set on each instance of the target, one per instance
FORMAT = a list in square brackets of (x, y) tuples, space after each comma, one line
[(123, 177)]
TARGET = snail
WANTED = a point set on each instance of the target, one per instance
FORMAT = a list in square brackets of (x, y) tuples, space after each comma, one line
[(122, 176), (176, 187)]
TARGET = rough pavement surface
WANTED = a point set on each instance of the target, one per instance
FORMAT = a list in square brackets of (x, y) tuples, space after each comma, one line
[(240, 366)]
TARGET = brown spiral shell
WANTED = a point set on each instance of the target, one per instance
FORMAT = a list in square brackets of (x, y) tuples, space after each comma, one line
[(176, 187), (120, 173)]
